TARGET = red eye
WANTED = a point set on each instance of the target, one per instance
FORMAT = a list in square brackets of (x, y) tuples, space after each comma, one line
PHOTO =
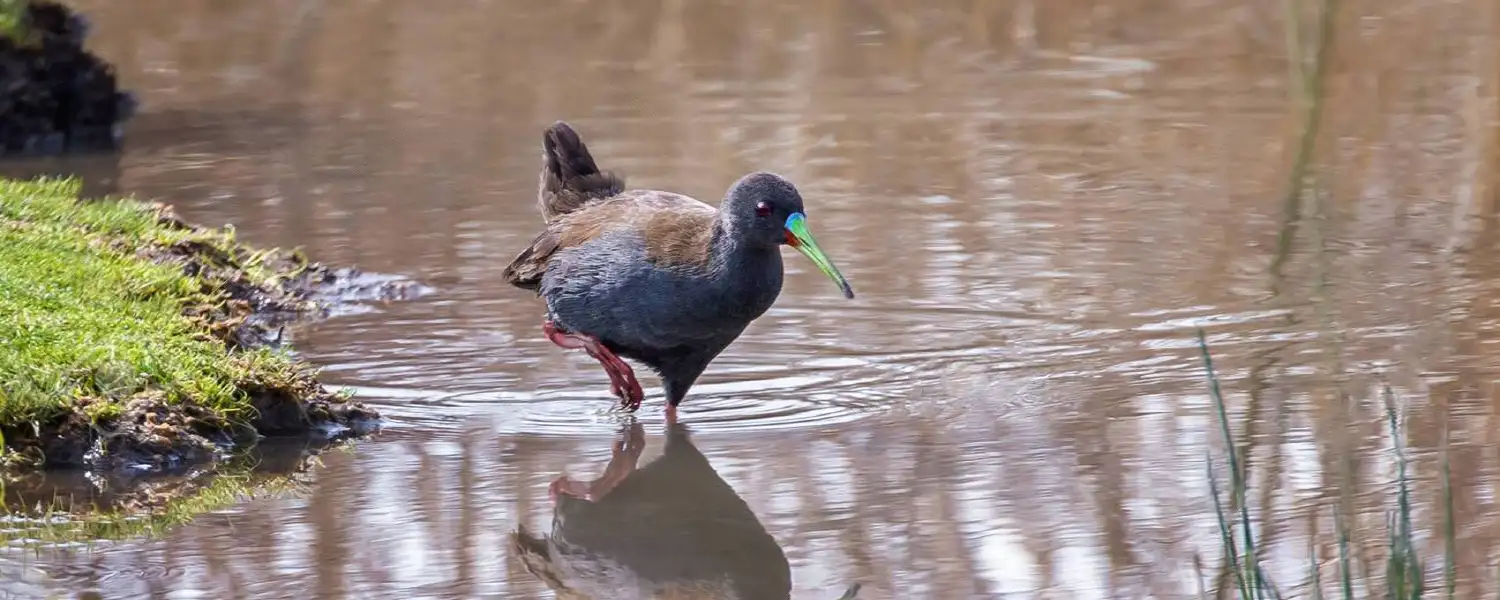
[(762, 210)]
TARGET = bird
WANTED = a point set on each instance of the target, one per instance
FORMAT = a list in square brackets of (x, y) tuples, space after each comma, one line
[(655, 276)]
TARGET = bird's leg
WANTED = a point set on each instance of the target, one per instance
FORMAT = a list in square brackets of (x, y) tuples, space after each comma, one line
[(676, 388), (622, 381), (623, 460), (573, 341)]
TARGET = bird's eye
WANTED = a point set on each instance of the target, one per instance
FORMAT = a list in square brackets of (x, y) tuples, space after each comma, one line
[(762, 209)]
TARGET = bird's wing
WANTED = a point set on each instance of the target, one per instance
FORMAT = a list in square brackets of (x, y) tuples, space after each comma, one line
[(676, 229)]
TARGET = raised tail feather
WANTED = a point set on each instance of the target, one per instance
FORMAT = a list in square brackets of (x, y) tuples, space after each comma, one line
[(569, 177), (569, 180)]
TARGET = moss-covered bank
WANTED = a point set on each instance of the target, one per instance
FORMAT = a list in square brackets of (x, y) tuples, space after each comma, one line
[(131, 340)]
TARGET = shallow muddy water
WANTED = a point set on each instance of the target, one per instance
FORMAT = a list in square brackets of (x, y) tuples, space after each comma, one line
[(1037, 203)]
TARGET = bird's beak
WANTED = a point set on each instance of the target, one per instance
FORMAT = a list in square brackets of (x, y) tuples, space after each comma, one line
[(797, 236)]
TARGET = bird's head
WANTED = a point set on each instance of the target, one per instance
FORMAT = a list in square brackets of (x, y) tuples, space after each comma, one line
[(767, 210)]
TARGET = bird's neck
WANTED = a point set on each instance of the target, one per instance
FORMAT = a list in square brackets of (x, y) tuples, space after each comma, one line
[(730, 250), (747, 271)]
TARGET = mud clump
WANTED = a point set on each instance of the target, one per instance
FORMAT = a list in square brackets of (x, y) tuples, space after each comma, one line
[(152, 435), (55, 96), (257, 311)]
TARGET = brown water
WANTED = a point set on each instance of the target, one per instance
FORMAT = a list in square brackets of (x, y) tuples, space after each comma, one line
[(1037, 202)]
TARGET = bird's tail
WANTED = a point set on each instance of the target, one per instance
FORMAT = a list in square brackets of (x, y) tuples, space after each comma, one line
[(569, 177)]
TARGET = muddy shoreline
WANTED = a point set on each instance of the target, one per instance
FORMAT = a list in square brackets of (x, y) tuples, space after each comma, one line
[(153, 436)]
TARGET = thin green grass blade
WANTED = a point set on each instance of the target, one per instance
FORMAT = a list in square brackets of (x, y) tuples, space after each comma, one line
[(1236, 474), (1345, 575), (1404, 572), (1226, 533), (1267, 589)]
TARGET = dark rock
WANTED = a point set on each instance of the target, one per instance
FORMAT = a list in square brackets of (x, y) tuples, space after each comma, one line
[(55, 96)]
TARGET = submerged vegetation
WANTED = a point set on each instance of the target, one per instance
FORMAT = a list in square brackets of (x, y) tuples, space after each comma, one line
[(128, 338), (1404, 576)]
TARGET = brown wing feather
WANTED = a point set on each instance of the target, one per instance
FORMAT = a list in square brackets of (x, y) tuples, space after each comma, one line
[(679, 239), (678, 231), (526, 269)]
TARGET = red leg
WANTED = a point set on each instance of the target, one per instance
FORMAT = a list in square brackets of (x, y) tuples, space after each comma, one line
[(622, 381)]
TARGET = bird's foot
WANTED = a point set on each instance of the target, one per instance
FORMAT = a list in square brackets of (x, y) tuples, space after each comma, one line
[(622, 383), (628, 390)]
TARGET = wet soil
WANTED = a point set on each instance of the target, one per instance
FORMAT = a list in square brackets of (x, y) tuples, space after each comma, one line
[(56, 96), (152, 435)]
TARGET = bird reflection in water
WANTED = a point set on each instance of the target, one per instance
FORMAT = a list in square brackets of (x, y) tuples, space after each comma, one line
[(672, 529)]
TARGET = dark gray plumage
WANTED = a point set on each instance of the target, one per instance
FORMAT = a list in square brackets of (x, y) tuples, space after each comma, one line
[(654, 276)]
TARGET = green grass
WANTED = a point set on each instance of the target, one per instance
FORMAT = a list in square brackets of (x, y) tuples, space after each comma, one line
[(1404, 575), (86, 323), (13, 19)]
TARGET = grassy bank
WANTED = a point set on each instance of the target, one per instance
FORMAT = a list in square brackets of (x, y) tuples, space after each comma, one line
[(128, 338)]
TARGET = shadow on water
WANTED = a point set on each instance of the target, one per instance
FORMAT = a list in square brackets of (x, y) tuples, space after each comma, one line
[(670, 529)]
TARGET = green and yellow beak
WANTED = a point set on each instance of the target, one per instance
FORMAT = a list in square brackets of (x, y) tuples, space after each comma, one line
[(797, 236)]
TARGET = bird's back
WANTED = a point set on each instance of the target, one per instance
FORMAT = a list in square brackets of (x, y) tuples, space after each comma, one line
[(672, 229), (580, 203)]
